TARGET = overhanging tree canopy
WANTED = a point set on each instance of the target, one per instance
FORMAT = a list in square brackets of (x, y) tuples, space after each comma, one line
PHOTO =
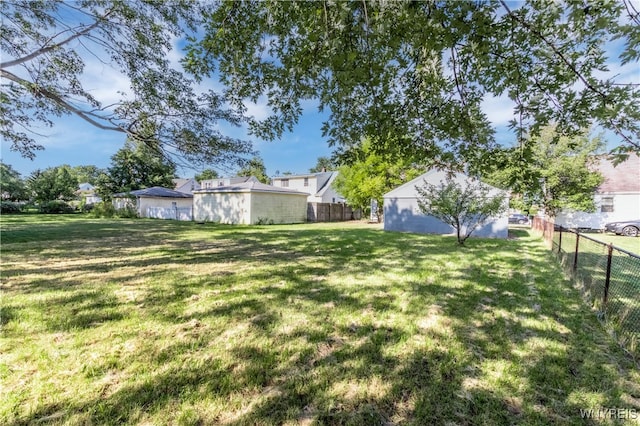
[(421, 70), (47, 44)]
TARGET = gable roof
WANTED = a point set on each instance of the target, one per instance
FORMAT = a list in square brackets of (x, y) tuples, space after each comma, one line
[(155, 191), (625, 177), (251, 186), (327, 183), (85, 186), (433, 176)]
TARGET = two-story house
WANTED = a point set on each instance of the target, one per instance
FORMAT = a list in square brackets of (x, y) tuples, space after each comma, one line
[(317, 185), (214, 183), (617, 199)]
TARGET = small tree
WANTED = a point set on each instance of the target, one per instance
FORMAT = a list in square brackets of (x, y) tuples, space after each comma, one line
[(465, 207), (368, 175)]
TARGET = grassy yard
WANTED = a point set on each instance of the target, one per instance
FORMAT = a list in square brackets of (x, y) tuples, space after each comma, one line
[(161, 322), (631, 244)]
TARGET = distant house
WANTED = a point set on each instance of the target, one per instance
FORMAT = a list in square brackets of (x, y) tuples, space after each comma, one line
[(157, 202), (186, 186), (617, 199), (249, 203), (87, 192), (214, 183), (402, 213), (317, 185)]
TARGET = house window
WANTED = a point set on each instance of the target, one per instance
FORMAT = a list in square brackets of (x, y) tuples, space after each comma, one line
[(306, 181), (285, 183), (606, 206)]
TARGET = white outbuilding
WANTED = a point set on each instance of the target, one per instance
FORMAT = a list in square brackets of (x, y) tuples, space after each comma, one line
[(249, 203), (157, 202), (402, 212)]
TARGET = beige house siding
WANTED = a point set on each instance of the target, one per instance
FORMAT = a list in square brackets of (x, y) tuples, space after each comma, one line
[(278, 208), (222, 207)]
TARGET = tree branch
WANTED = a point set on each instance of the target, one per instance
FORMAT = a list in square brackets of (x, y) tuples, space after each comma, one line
[(44, 50), (41, 91)]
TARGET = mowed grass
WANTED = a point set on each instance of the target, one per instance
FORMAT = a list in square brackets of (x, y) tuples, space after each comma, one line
[(631, 244), (162, 322)]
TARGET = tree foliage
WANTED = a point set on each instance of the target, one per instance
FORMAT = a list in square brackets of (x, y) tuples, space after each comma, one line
[(371, 174), (46, 46), (206, 175), (466, 206), (135, 166), (12, 187), (323, 164), (88, 174), (550, 171), (423, 69), (255, 167), (52, 184)]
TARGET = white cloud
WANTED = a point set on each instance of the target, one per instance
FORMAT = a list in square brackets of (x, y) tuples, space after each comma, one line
[(104, 82), (499, 109), (259, 110)]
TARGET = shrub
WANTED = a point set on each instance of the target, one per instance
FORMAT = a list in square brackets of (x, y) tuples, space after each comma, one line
[(56, 207), (128, 212), (9, 207), (103, 209)]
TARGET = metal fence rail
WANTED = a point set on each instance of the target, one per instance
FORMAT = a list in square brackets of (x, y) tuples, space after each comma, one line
[(608, 276)]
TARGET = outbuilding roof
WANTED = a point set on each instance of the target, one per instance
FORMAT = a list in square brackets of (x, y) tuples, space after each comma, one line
[(155, 191), (433, 176), (251, 186)]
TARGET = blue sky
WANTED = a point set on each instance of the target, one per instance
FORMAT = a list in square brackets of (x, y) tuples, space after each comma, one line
[(75, 142)]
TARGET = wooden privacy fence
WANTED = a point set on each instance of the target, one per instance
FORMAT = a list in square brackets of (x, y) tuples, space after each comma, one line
[(331, 212)]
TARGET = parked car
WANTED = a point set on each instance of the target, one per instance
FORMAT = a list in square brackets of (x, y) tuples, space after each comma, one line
[(630, 228), (518, 218)]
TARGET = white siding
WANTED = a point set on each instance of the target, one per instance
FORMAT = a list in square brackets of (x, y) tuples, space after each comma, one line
[(625, 207), (223, 207), (297, 183), (148, 206)]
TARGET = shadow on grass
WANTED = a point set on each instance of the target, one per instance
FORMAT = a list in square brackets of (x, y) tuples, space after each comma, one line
[(345, 326)]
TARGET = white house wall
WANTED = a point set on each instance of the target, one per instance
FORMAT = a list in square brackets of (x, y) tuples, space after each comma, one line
[(278, 208), (222, 207), (625, 207)]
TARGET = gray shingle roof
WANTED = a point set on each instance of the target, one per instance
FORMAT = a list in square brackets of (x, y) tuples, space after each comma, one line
[(155, 191)]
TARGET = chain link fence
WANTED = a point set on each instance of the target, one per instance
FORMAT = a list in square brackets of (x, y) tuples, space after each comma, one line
[(608, 276)]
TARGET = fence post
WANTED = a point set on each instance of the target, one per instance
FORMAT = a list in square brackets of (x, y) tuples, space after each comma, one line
[(575, 256), (605, 297), (560, 241)]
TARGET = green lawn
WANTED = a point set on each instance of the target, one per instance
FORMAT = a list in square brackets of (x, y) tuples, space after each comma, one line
[(161, 322), (631, 244)]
